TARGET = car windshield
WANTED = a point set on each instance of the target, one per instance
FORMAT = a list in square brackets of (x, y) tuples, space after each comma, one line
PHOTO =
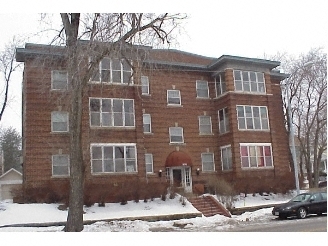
[(301, 198)]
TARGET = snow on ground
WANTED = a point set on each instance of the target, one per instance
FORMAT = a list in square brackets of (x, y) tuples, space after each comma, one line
[(11, 213)]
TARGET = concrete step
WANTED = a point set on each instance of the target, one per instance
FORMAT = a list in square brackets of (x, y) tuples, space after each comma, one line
[(209, 206)]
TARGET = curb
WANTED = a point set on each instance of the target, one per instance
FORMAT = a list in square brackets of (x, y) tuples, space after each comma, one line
[(89, 222)]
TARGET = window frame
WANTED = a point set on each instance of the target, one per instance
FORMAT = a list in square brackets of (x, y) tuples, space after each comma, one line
[(244, 120), (112, 114), (170, 135), (246, 81), (225, 122), (66, 115), (145, 84), (220, 85), (151, 163), (146, 123), (212, 162), (59, 165), (116, 161), (205, 125), (53, 72), (111, 70), (255, 148), (168, 98), (198, 83), (226, 159)]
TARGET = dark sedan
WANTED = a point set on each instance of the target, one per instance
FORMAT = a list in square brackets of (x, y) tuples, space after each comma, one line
[(302, 205)]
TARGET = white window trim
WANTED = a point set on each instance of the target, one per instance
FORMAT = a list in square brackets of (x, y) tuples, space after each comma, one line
[(111, 73), (219, 83), (145, 79), (207, 89), (221, 150), (256, 145), (114, 145), (170, 135), (173, 104), (152, 163), (213, 162), (199, 124), (225, 121), (143, 116), (52, 80), (52, 166), (67, 121), (242, 82), (261, 129), (123, 113)]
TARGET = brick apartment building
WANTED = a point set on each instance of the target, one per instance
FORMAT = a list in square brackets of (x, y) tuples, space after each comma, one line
[(182, 119)]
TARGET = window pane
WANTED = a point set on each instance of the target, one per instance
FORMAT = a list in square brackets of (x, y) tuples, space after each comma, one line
[(96, 153), (108, 152), (97, 166), (95, 105), (131, 166), (105, 63), (119, 165), (95, 119), (130, 152), (116, 64), (128, 106), (106, 105), (105, 75), (108, 165), (119, 152), (116, 76), (244, 162), (240, 111), (237, 75)]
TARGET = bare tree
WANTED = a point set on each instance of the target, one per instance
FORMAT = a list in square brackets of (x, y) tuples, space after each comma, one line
[(308, 99), (7, 67), (105, 35)]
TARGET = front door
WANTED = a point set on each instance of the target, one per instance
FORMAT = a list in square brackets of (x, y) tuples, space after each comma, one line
[(177, 177), (180, 177)]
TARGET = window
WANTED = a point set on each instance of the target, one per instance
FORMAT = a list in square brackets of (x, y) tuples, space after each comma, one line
[(113, 71), (202, 89), (58, 80), (113, 158), (173, 97), (252, 118), (224, 120), (60, 165), (208, 162), (176, 135), (147, 123), (220, 85), (256, 155), (205, 125), (144, 85), (111, 112), (59, 121), (149, 163), (226, 158), (249, 81)]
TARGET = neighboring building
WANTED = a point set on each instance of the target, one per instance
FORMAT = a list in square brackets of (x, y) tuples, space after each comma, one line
[(10, 180), (182, 119)]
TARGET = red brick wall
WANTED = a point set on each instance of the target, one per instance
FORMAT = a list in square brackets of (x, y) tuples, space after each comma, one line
[(40, 143)]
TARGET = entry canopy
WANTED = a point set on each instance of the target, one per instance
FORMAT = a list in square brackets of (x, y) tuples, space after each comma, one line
[(178, 158)]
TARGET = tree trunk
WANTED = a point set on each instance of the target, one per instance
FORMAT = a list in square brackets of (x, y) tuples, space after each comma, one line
[(75, 212)]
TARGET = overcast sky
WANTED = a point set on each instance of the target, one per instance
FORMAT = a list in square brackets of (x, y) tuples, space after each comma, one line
[(252, 28)]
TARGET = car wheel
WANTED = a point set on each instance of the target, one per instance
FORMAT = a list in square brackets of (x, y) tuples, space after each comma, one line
[(282, 217), (301, 213)]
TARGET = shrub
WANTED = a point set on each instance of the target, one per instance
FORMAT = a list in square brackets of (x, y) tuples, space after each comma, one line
[(223, 190)]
